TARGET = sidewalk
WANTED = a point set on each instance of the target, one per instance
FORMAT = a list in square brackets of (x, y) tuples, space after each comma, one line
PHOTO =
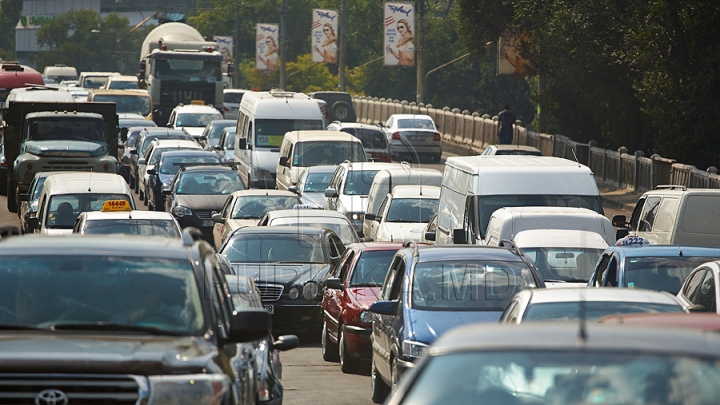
[(621, 199)]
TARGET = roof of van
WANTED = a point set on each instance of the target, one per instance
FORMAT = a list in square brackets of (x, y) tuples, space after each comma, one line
[(546, 211), (413, 191), (476, 164), (43, 94), (86, 182), (321, 136), (281, 105), (559, 238)]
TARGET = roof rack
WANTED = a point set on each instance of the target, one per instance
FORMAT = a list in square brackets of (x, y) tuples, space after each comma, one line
[(190, 235), (671, 187), (413, 245)]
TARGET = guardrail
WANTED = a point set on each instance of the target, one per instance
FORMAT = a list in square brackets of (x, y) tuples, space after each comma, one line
[(614, 168)]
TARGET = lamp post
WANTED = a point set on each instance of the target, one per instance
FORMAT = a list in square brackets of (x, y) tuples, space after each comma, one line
[(420, 7), (343, 46), (282, 45)]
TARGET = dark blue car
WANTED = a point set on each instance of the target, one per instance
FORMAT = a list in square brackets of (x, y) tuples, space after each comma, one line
[(430, 289)]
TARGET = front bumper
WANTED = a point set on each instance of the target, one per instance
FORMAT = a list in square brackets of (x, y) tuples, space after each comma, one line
[(207, 231), (294, 318), (357, 341)]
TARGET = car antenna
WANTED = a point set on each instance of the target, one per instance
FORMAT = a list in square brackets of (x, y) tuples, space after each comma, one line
[(90, 182), (582, 332), (575, 156)]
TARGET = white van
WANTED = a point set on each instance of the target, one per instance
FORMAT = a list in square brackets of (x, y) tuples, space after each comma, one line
[(40, 94), (473, 187), (386, 179), (506, 223), (59, 73), (65, 195), (263, 120), (302, 149)]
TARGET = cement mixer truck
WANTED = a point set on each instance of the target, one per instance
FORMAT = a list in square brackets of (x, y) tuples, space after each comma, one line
[(177, 66)]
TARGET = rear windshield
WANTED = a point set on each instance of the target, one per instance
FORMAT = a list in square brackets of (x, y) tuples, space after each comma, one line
[(196, 119), (370, 138), (411, 210), (416, 123), (660, 273), (270, 133), (171, 165), (209, 183), (234, 98), (276, 248), (254, 207), (144, 227), (308, 154), (65, 208), (593, 311)]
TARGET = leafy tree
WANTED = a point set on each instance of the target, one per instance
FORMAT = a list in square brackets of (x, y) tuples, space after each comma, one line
[(10, 11)]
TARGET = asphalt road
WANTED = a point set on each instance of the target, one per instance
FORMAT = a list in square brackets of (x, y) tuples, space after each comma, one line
[(306, 377)]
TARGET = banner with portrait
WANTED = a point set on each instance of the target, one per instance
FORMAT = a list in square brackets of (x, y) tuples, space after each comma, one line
[(324, 36), (267, 49), (510, 61), (225, 47), (399, 34)]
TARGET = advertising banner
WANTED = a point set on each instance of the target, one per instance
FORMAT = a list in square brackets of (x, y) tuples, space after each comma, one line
[(510, 61), (267, 53), (324, 36), (225, 47), (398, 36)]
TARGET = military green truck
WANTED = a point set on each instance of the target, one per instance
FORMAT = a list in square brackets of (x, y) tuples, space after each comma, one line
[(46, 137)]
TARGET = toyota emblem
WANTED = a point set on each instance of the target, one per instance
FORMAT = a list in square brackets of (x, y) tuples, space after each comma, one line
[(51, 397)]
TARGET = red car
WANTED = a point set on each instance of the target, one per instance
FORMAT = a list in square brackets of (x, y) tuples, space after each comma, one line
[(353, 285)]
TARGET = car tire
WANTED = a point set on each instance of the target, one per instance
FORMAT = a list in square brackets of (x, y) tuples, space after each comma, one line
[(131, 182), (348, 364), (145, 197), (340, 111), (329, 349), (394, 373), (12, 204), (380, 390)]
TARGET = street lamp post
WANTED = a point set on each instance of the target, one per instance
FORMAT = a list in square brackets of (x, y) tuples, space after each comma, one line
[(282, 45), (420, 7), (343, 46)]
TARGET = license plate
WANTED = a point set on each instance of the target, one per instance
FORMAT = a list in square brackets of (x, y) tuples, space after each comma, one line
[(207, 222), (270, 308), (420, 138)]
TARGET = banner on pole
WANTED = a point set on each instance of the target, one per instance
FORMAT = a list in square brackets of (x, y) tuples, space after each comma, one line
[(267, 53), (510, 61), (225, 46), (399, 29), (324, 36)]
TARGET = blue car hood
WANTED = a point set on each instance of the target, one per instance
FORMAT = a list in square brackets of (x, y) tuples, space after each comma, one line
[(65, 148), (426, 326)]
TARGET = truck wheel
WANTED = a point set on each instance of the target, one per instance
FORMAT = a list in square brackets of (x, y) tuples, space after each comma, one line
[(12, 195), (340, 110)]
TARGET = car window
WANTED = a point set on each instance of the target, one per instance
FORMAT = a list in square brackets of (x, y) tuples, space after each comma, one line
[(411, 210), (337, 248), (611, 276), (692, 285), (209, 183), (316, 182), (648, 214), (371, 268), (666, 215), (602, 269), (358, 182), (706, 293), (396, 266), (171, 164), (337, 177), (254, 207), (415, 123), (64, 209), (345, 266), (276, 248), (635, 217), (660, 273), (235, 98)]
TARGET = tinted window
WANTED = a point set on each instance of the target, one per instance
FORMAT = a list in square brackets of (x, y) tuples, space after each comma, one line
[(171, 164), (145, 227), (370, 138), (327, 153), (208, 183), (82, 129), (254, 207), (411, 210), (217, 129), (358, 182), (235, 98), (270, 133), (275, 248), (371, 268), (570, 311), (660, 273), (564, 264)]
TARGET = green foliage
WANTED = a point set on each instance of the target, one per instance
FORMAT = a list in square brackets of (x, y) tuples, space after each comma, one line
[(10, 11)]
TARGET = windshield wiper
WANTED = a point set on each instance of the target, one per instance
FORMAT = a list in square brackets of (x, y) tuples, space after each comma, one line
[(554, 281), (368, 284), (103, 326), (18, 327)]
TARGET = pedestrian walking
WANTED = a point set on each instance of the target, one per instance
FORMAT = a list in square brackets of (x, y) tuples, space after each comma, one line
[(506, 122)]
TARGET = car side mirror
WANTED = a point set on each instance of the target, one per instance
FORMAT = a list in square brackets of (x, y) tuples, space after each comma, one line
[(619, 221), (218, 219), (696, 308), (370, 217), (459, 237), (134, 152), (384, 307), (331, 193), (430, 236), (334, 284), (152, 172), (286, 342), (367, 240), (284, 161), (242, 143), (123, 134), (166, 192), (293, 189), (142, 161), (249, 325), (33, 223)]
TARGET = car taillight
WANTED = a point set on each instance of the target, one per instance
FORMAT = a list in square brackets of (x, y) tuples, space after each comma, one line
[(436, 137), (225, 108), (396, 136)]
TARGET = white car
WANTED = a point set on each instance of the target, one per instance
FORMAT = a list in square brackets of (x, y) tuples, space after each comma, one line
[(122, 83), (143, 223), (414, 136), (591, 304), (699, 292), (193, 119), (231, 102), (312, 217), (511, 150), (151, 156), (404, 214), (312, 184)]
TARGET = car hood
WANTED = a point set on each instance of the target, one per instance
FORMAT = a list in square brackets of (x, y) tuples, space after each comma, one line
[(354, 203), (60, 148), (401, 232), (202, 202), (364, 296), (314, 199), (194, 131), (241, 223), (284, 273), (426, 326), (103, 354)]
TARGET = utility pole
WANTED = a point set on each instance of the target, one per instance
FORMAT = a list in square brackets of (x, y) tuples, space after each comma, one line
[(282, 45), (343, 46), (420, 7), (236, 42)]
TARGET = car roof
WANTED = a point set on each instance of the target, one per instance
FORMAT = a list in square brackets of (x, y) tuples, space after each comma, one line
[(165, 131), (261, 192), (559, 238), (135, 214), (665, 250), (177, 143), (376, 246), (236, 91), (413, 191), (321, 169), (98, 245), (355, 125), (431, 253), (515, 147), (191, 108), (257, 230), (86, 182), (355, 166), (221, 122), (209, 168), (305, 213), (551, 295), (404, 116), (566, 336), (681, 191), (321, 136)]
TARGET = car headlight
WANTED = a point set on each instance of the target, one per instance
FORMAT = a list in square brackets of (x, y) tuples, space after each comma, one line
[(355, 216), (414, 349), (365, 317), (293, 293), (310, 291), (181, 211), (195, 389)]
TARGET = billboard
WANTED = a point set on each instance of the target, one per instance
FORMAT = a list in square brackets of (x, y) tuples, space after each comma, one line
[(225, 46), (324, 36), (398, 36), (510, 61), (267, 53)]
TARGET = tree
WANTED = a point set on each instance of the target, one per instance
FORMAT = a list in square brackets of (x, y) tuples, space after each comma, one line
[(10, 11)]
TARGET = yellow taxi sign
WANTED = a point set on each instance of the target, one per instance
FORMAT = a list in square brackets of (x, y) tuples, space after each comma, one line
[(197, 102), (116, 205)]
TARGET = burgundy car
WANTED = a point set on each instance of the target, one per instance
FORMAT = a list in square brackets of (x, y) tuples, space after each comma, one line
[(353, 285)]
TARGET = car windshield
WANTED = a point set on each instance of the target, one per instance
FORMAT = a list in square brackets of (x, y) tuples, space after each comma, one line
[(209, 183), (196, 119), (127, 104), (171, 164), (593, 311), (275, 248), (343, 229), (489, 204), (270, 133), (308, 154), (216, 131), (254, 207), (123, 85), (518, 152), (72, 129), (564, 264), (663, 273), (95, 82), (188, 70), (370, 138), (64, 209), (358, 182), (132, 139), (145, 227), (411, 210), (471, 286), (416, 123), (51, 290), (317, 182), (566, 376), (371, 268), (150, 137)]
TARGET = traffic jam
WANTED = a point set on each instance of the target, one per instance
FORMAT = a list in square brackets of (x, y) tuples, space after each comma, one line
[(166, 252)]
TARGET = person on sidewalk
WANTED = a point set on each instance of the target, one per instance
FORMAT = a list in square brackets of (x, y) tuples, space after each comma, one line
[(506, 122)]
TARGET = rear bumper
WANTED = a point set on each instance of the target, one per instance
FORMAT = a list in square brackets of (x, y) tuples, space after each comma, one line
[(433, 149)]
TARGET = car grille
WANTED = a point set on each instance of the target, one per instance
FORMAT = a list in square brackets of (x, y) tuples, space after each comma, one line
[(58, 165), (79, 389), (203, 214), (176, 93), (271, 292)]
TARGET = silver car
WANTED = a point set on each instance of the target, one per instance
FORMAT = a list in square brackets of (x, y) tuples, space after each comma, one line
[(414, 135)]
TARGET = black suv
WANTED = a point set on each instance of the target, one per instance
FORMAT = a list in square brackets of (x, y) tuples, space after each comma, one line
[(119, 320), (167, 166), (339, 103)]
